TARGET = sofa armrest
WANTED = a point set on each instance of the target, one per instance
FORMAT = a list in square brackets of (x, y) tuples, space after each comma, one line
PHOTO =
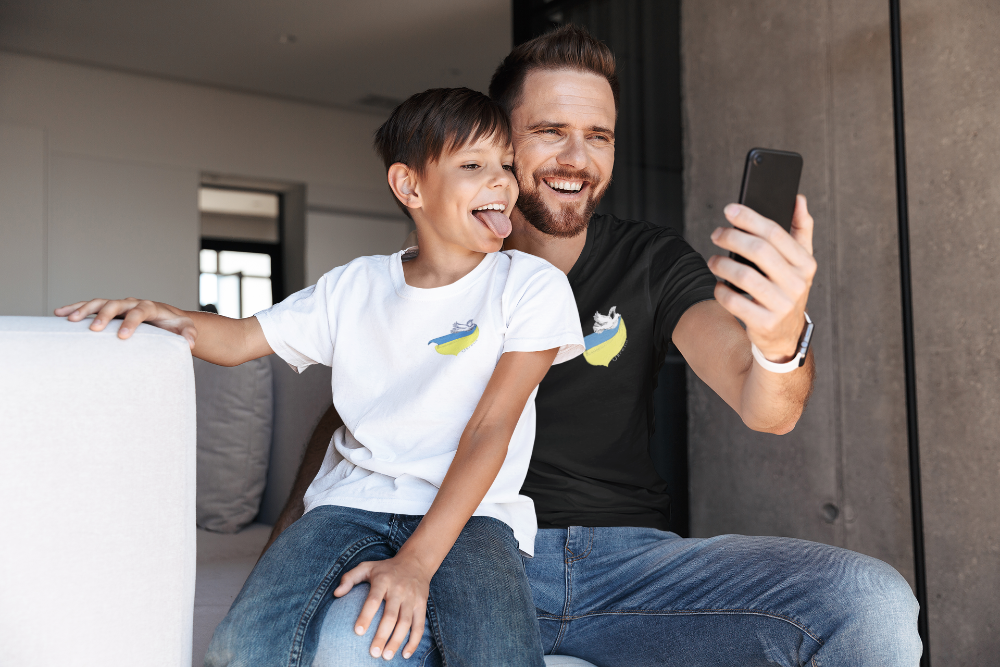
[(97, 486)]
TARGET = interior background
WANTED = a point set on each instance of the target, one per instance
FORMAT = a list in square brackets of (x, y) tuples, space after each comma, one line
[(111, 112)]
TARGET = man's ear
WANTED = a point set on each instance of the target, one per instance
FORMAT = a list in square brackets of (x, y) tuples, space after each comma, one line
[(403, 183)]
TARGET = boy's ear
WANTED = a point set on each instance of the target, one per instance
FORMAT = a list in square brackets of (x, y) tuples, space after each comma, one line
[(403, 182)]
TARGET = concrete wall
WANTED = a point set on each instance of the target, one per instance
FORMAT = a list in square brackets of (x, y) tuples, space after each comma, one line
[(99, 173), (815, 77)]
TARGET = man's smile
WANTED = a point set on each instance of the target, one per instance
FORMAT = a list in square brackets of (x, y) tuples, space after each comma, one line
[(564, 186)]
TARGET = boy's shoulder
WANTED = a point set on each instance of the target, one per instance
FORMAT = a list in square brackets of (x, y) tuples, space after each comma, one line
[(369, 266), (525, 264)]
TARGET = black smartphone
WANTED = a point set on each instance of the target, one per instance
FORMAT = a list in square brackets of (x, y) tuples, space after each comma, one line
[(770, 183)]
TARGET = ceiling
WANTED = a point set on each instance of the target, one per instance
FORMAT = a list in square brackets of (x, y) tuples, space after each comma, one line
[(359, 54)]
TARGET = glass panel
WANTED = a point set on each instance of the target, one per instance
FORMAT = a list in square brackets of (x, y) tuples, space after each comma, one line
[(208, 289), (209, 261), (248, 263), (256, 295), (229, 296)]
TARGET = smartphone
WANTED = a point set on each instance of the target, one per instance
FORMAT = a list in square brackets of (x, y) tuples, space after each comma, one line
[(770, 183)]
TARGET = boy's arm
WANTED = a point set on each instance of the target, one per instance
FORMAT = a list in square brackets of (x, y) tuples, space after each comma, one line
[(220, 340), (403, 581)]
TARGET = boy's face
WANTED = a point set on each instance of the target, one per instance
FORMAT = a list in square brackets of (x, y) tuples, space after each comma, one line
[(466, 196)]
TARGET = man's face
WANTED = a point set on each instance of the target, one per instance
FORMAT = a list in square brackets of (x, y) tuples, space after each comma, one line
[(564, 148)]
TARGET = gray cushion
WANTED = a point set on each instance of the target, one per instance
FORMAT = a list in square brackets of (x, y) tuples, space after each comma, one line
[(235, 414), (299, 403)]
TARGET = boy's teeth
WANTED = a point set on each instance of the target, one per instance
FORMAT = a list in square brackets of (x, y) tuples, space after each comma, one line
[(490, 207)]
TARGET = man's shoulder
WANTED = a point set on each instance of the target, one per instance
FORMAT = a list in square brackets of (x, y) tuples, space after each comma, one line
[(620, 237)]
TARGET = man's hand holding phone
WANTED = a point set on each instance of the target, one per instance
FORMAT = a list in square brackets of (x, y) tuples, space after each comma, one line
[(774, 318)]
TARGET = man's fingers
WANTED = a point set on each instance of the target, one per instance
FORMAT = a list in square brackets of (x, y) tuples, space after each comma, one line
[(802, 224), (763, 291), (739, 306), (350, 579), (389, 615), (761, 253), (752, 222), (416, 630), (403, 623)]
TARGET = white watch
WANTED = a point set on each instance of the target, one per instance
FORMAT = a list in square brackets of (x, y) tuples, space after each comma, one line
[(796, 362)]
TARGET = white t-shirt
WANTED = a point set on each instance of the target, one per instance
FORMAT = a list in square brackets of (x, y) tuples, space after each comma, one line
[(409, 367)]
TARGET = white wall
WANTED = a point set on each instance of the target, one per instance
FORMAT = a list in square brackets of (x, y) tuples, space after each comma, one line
[(99, 173)]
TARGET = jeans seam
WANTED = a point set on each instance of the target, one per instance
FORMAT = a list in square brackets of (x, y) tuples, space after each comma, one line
[(684, 612), (590, 547), (295, 655), (436, 632), (568, 599)]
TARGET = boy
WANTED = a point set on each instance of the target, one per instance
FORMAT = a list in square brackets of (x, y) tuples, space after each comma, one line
[(436, 361)]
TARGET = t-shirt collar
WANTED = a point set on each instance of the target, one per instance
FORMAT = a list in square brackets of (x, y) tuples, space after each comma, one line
[(425, 294)]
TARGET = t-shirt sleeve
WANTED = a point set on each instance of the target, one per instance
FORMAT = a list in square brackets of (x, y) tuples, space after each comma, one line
[(300, 329), (679, 278), (544, 316)]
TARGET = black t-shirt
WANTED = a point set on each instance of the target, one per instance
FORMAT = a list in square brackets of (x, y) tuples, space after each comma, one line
[(591, 464)]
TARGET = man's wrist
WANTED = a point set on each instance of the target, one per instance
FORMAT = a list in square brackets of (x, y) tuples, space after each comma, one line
[(791, 363)]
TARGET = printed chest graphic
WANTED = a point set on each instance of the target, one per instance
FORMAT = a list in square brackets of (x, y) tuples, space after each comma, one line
[(607, 341), (461, 338)]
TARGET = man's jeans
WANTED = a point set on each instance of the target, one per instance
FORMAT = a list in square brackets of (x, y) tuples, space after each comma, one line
[(287, 602), (637, 596)]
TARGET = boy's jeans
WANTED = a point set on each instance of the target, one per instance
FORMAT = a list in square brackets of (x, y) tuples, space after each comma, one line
[(479, 591), (624, 597)]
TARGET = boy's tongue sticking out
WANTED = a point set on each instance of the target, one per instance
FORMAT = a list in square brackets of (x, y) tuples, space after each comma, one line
[(498, 223)]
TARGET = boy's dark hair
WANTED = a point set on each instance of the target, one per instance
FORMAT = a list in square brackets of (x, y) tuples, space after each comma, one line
[(421, 129), (568, 47)]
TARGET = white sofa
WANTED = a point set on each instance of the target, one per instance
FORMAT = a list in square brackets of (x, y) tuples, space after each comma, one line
[(101, 563)]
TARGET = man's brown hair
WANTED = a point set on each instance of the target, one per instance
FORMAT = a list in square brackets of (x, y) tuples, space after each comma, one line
[(568, 47), (421, 129)]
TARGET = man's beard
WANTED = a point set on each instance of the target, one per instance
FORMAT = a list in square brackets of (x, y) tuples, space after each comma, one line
[(566, 222)]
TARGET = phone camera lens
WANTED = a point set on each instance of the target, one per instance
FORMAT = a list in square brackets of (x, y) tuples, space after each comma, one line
[(758, 159)]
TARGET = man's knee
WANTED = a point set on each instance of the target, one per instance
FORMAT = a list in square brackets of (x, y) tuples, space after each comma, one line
[(879, 606)]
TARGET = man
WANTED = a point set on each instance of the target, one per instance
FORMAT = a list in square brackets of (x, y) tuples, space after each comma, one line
[(610, 586)]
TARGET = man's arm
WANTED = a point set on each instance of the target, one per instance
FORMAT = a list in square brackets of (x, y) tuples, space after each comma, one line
[(718, 349), (311, 461)]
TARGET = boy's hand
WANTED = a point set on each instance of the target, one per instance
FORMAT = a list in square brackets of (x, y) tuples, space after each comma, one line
[(134, 313), (404, 584)]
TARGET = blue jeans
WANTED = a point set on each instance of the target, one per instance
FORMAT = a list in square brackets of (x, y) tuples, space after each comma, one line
[(287, 602), (639, 596)]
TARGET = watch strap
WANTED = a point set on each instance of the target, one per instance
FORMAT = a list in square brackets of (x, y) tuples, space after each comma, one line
[(795, 362)]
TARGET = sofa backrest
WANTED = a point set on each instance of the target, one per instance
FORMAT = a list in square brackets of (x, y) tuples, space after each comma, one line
[(300, 401), (97, 485)]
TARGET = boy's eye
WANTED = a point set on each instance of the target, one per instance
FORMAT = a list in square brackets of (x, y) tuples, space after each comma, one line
[(509, 167), (471, 166)]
